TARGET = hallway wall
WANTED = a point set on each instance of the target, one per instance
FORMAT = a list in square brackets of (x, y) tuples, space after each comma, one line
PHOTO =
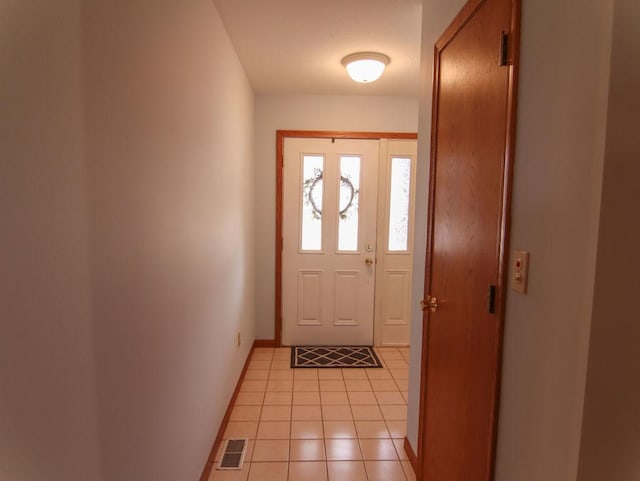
[(306, 112), (610, 446), (562, 112), (126, 174), (48, 427), (170, 153), (565, 53)]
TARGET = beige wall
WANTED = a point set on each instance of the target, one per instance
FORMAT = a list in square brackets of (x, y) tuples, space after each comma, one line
[(611, 426), (48, 426), (306, 112), (126, 177), (560, 144), (565, 54), (170, 151)]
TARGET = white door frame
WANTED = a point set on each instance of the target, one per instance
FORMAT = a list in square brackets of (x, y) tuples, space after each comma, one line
[(280, 136)]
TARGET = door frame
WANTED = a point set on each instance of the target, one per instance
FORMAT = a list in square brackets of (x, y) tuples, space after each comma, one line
[(310, 134), (467, 11)]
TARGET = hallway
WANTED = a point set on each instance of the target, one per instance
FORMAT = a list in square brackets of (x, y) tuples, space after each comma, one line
[(321, 424), (138, 185)]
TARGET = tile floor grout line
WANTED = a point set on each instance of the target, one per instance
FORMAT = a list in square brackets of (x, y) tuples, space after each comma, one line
[(324, 437), (290, 425)]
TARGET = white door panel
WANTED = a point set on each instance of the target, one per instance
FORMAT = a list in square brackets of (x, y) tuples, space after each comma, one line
[(347, 298), (310, 298)]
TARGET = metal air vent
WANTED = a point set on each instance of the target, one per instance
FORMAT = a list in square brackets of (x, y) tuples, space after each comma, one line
[(233, 455)]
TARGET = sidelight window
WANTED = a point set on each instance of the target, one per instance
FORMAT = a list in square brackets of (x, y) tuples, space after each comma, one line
[(399, 204)]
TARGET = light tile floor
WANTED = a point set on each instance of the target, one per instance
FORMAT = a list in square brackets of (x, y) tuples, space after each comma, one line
[(321, 424)]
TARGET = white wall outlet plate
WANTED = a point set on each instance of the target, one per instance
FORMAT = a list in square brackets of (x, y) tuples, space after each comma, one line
[(519, 271)]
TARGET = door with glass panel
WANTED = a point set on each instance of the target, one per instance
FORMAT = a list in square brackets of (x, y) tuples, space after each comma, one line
[(395, 242), (329, 241)]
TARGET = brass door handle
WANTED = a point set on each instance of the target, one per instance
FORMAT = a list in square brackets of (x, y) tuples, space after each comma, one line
[(430, 303), (368, 261)]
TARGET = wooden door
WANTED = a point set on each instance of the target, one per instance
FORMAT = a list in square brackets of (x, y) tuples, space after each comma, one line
[(472, 143), (330, 191)]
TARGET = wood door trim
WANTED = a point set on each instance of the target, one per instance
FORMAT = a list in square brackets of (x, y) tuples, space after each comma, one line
[(311, 134), (456, 25), (413, 459), (460, 20), (507, 189)]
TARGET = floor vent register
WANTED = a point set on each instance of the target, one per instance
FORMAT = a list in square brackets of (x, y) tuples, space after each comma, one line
[(233, 456)]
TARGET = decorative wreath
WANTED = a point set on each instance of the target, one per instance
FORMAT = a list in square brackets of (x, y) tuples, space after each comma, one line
[(310, 185)]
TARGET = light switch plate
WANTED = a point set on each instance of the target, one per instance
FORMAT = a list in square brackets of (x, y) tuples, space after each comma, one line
[(520, 271)]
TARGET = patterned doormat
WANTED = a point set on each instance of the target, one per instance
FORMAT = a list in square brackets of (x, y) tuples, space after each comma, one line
[(334, 356)]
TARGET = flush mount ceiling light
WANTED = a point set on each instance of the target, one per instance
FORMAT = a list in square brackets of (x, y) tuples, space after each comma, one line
[(365, 67)]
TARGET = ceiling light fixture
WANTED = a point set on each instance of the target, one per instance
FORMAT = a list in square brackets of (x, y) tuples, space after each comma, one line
[(365, 67)]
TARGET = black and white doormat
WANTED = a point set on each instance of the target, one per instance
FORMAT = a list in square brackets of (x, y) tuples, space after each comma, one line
[(334, 356)]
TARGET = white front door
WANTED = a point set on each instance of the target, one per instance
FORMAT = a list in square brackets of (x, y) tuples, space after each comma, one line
[(329, 241)]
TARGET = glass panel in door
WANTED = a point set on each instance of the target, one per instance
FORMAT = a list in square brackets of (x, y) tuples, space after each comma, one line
[(312, 190), (348, 213)]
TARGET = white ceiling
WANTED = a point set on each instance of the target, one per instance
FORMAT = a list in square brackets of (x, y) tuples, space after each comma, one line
[(295, 46)]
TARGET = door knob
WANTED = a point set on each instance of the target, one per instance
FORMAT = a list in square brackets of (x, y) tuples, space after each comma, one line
[(430, 302), (433, 303), (368, 261)]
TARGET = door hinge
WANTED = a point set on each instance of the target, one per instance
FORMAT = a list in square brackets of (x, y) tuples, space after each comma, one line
[(492, 299), (503, 61)]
